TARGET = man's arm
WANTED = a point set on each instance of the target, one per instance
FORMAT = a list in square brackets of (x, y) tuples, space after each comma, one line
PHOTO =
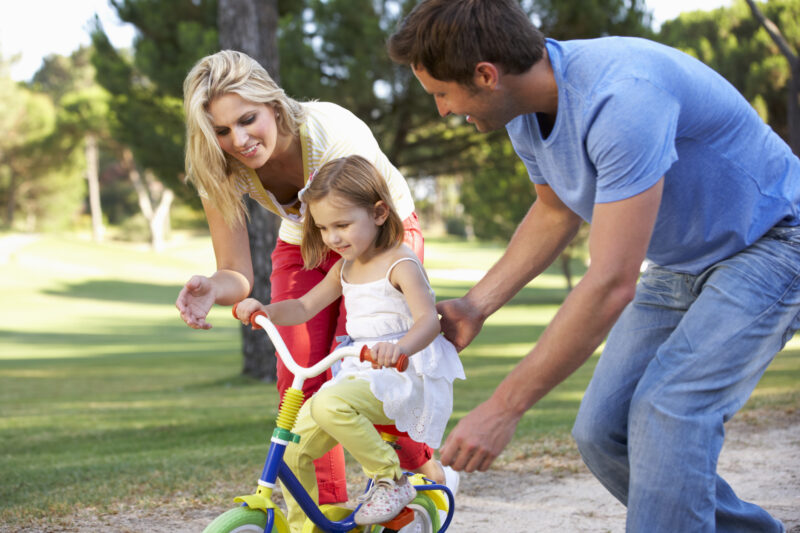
[(618, 241), (542, 235)]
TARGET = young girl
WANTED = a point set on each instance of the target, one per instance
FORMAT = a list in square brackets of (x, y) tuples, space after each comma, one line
[(390, 307)]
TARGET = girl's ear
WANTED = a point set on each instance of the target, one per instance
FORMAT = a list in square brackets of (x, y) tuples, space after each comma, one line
[(380, 212)]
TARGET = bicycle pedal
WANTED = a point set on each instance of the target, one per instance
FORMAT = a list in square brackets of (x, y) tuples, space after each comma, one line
[(405, 517)]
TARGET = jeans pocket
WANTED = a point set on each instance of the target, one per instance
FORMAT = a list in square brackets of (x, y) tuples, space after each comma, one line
[(662, 287), (788, 234)]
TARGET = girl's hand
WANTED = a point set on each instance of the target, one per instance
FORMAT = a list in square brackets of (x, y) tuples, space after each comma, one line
[(247, 307), (195, 301), (385, 354)]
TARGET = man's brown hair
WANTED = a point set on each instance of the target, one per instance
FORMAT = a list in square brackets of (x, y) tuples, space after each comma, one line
[(449, 37)]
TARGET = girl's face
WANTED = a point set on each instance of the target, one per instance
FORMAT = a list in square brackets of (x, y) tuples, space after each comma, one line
[(348, 230), (246, 130)]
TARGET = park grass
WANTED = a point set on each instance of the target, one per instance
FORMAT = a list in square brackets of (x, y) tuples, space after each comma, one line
[(106, 398)]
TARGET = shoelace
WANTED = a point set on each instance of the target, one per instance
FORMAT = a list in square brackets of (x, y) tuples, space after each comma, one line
[(367, 495)]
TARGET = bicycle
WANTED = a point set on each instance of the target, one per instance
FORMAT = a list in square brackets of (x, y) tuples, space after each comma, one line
[(430, 512)]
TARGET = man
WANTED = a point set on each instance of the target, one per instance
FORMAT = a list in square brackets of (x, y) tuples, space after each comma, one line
[(669, 164)]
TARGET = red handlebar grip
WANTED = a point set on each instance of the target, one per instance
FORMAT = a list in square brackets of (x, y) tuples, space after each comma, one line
[(253, 319), (401, 364)]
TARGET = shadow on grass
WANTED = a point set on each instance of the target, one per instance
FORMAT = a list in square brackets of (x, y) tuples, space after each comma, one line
[(137, 334), (119, 291)]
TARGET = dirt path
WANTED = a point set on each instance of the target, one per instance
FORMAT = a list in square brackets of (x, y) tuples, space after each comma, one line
[(544, 493)]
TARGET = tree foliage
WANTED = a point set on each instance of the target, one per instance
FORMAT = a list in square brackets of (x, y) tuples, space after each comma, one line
[(583, 19), (334, 50), (146, 88), (732, 42), (41, 185)]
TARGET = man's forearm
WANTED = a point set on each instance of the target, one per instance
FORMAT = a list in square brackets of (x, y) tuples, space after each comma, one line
[(576, 331)]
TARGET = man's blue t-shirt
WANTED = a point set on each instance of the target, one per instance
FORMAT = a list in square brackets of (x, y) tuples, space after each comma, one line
[(631, 111)]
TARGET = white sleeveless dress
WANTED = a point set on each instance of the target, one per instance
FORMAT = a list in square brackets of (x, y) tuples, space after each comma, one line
[(419, 400)]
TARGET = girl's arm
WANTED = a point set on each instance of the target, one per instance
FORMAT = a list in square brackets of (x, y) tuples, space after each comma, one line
[(409, 278), (299, 310), (233, 279)]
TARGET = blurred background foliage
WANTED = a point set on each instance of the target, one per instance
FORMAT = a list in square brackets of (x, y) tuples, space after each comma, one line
[(127, 103)]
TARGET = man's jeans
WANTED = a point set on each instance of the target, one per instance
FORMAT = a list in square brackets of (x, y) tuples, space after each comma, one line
[(682, 359)]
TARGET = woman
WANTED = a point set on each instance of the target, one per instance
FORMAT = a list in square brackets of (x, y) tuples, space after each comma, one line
[(245, 136)]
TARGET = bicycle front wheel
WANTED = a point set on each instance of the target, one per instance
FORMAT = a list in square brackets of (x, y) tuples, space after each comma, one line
[(426, 517), (246, 520)]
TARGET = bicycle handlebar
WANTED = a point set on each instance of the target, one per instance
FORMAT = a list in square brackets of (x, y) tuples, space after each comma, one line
[(366, 355), (259, 320)]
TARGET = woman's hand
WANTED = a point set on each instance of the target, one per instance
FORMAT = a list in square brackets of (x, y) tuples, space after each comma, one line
[(195, 301)]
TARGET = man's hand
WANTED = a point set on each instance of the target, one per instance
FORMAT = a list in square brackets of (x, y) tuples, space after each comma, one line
[(479, 437), (460, 321)]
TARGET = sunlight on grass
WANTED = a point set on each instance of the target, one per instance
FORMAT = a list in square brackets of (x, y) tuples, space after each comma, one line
[(497, 350)]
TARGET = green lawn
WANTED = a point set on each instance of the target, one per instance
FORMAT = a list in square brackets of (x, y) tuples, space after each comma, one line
[(106, 397)]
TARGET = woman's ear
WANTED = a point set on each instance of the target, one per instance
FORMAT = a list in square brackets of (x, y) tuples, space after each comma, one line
[(380, 212)]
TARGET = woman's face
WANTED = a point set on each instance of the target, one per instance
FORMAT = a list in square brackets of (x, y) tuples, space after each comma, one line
[(246, 130)]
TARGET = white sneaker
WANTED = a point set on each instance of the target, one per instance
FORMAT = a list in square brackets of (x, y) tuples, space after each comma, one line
[(383, 501), (451, 479)]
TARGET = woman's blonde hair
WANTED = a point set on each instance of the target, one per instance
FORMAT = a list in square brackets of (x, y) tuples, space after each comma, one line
[(357, 182), (208, 167)]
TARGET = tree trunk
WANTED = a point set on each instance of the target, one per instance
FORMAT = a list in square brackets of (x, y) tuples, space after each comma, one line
[(11, 202), (793, 107), (147, 190), (92, 177), (251, 26), (158, 221)]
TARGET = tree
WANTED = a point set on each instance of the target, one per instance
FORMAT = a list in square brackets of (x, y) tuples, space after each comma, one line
[(146, 117), (82, 116), (735, 43), (790, 53), (27, 119), (40, 172), (582, 19), (251, 26)]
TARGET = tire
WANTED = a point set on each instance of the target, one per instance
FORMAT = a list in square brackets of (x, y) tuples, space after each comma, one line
[(426, 517), (245, 520)]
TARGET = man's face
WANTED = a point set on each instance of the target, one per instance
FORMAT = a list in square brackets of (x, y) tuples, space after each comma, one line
[(451, 97)]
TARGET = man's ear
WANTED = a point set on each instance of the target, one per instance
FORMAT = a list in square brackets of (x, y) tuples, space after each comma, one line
[(486, 75), (381, 212)]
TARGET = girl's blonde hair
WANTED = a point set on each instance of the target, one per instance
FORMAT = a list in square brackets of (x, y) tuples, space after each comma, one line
[(356, 181), (208, 167)]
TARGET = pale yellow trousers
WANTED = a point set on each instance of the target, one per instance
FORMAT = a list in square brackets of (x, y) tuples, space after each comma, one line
[(343, 413)]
